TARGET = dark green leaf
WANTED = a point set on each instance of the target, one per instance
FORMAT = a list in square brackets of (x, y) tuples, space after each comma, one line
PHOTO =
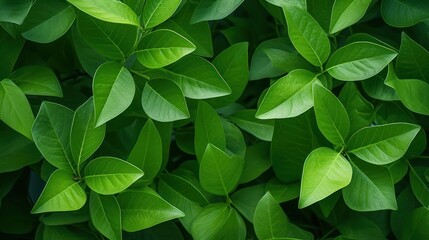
[(208, 10), (246, 199), (14, 11), (256, 161), (9, 52), (400, 13), (37, 80), (413, 60), (419, 184)]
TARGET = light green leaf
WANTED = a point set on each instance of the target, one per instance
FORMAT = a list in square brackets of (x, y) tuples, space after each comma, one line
[(144, 208), (107, 10), (197, 77), (147, 152), (289, 96), (346, 13), (208, 129), (307, 36), (37, 80), (218, 221), (219, 172), (106, 38), (371, 188), (413, 60), (106, 215), (208, 10), (399, 13), (156, 12), (51, 134), (163, 101), (331, 116), (270, 221), (15, 110), (163, 47), (246, 120), (14, 11), (61, 193), (114, 89), (85, 138), (382, 144), (109, 175), (47, 21), (325, 172), (359, 61)]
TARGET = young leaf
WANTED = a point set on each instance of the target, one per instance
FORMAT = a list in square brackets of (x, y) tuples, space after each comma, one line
[(37, 80), (371, 188), (85, 138), (107, 10), (163, 47), (197, 77), (47, 21), (15, 110), (289, 97), (109, 175), (61, 193), (113, 89), (219, 173), (262, 129), (208, 129), (147, 152), (106, 215), (14, 11), (307, 36), (382, 144), (208, 10), (144, 208), (163, 101), (51, 134), (325, 172), (413, 60), (331, 116), (359, 61), (156, 12), (404, 13), (346, 13), (218, 221)]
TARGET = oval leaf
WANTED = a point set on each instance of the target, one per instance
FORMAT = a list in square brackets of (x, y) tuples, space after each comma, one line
[(382, 144), (106, 215), (346, 13), (113, 89), (359, 61), (325, 172), (109, 175), (163, 47), (61, 193), (37, 80), (156, 12)]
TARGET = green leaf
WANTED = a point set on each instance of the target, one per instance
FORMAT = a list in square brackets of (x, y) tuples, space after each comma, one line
[(10, 51), (106, 38), (47, 21), (156, 12), (51, 134), (15, 110), (219, 172), (163, 101), (307, 36), (289, 96), (283, 192), (14, 11), (346, 13), (371, 188), (197, 77), (65, 218), (246, 199), (109, 175), (325, 172), (61, 193), (398, 13), (256, 161), (218, 221), (284, 3), (107, 10), (270, 221), (376, 88), (419, 184), (208, 10), (147, 152), (208, 129), (359, 227), (163, 47), (113, 89), (37, 80), (359, 61), (409, 90), (66, 233), (382, 144), (106, 215), (331, 116), (416, 226), (235, 144), (262, 129), (413, 60), (85, 138), (144, 208)]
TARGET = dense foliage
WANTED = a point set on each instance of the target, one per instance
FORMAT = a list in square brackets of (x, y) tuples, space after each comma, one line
[(214, 119)]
